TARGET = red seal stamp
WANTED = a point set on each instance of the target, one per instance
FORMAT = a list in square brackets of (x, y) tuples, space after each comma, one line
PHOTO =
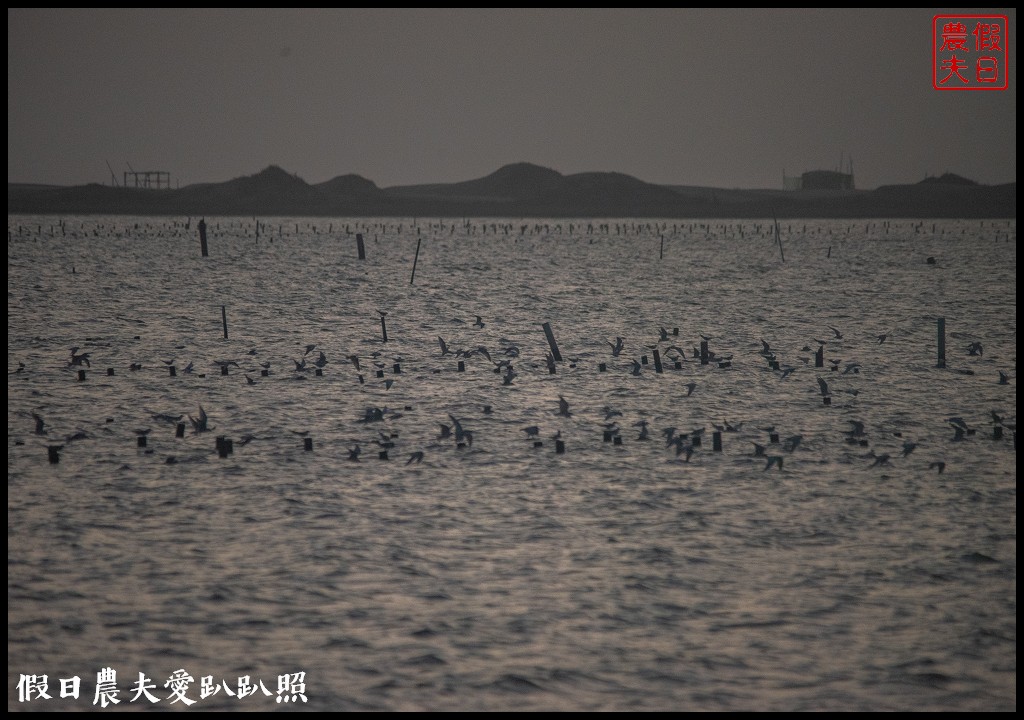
[(969, 52)]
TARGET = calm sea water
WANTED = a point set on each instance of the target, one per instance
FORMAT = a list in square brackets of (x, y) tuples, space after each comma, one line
[(503, 576)]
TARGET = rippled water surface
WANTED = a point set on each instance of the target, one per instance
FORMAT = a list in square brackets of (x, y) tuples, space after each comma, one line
[(502, 575)]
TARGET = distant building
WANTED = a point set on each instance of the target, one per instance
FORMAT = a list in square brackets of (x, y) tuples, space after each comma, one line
[(158, 179), (826, 180), (819, 180)]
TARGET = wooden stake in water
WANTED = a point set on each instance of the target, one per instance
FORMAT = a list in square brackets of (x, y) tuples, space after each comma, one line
[(942, 343), (657, 361), (415, 260), (360, 246), (778, 237), (661, 253), (383, 329), (224, 320), (551, 341), (202, 237)]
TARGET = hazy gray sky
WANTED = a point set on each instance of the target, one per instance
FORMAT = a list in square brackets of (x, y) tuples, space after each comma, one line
[(726, 98)]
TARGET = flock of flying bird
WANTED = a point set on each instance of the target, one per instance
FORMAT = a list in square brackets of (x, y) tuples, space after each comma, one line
[(684, 444)]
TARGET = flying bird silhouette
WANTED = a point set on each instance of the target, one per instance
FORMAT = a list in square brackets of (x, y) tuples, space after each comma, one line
[(609, 413), (82, 359), (678, 350), (201, 423), (858, 428), (878, 459), (460, 434), (563, 407)]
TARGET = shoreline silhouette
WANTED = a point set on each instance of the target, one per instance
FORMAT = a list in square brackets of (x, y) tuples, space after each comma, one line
[(518, 190)]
